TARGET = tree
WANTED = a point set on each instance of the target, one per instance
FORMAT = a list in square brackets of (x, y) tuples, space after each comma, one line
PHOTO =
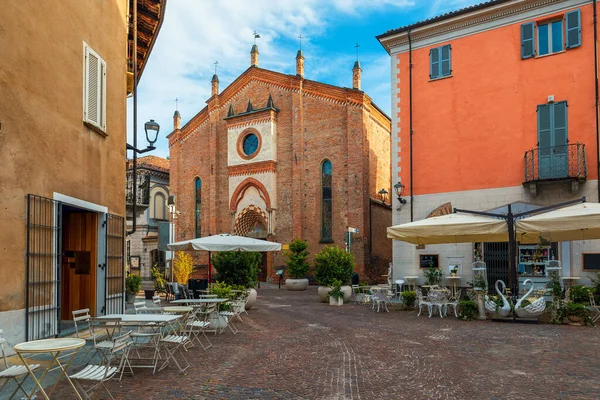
[(182, 267), (333, 263), (297, 266), (237, 267)]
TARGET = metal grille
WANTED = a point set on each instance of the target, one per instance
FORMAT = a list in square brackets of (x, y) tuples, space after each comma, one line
[(495, 256), (44, 244), (556, 162), (115, 265)]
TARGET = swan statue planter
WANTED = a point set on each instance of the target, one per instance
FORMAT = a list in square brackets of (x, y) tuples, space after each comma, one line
[(533, 310), (493, 308)]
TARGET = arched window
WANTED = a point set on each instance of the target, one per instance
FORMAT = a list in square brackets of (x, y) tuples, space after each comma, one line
[(159, 206), (198, 184), (326, 201)]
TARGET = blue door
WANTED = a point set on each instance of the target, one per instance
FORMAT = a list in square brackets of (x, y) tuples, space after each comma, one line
[(553, 154)]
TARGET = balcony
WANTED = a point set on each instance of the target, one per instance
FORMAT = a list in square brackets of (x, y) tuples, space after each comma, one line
[(555, 164), (143, 190)]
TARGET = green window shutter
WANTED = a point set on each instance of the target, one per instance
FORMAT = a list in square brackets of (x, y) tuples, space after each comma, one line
[(434, 63), (527, 40), (446, 67), (544, 125), (573, 29), (560, 123)]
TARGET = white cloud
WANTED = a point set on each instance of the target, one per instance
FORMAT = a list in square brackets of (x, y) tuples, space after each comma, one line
[(197, 33)]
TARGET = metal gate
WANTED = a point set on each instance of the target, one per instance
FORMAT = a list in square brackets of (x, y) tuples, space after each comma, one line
[(114, 301), (44, 251), (495, 256)]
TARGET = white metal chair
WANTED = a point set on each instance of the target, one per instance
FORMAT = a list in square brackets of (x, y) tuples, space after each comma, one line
[(379, 297), (595, 309), (83, 318), (97, 375), (13, 372), (453, 303), (177, 342), (200, 324), (156, 301), (422, 302), (140, 305)]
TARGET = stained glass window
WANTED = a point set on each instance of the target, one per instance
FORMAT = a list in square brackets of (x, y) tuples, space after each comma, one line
[(250, 144), (327, 203), (198, 207)]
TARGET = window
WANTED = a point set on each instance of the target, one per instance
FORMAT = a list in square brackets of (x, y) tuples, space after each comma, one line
[(552, 125), (552, 36), (250, 144), (94, 91), (159, 206), (439, 62), (326, 202), (198, 184)]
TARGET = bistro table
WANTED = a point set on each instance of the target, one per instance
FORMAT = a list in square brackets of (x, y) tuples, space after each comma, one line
[(53, 347), (453, 284), (411, 282), (195, 301), (570, 281)]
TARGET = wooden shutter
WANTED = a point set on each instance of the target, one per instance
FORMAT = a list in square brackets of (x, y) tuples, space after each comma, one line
[(445, 64), (560, 123), (544, 125), (527, 40), (573, 29), (434, 63), (95, 89)]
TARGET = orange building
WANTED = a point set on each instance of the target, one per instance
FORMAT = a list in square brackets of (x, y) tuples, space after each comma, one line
[(495, 104)]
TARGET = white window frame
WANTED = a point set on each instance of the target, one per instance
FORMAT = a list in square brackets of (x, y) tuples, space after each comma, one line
[(100, 123)]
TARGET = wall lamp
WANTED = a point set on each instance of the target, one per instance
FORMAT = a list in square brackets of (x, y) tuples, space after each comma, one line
[(399, 189), (382, 194)]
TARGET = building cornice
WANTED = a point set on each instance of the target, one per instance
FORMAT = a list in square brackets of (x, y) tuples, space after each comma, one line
[(259, 167)]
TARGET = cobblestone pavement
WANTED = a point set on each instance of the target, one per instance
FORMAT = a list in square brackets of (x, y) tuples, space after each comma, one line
[(293, 347)]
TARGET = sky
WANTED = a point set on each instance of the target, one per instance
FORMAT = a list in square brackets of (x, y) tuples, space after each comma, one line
[(197, 33)]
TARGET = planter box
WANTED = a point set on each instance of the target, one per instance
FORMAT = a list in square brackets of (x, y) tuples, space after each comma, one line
[(336, 302)]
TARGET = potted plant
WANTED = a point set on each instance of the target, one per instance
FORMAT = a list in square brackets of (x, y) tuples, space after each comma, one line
[(333, 263), (336, 296), (238, 268), (433, 276), (133, 283), (297, 266), (454, 270), (408, 298), (223, 291), (467, 310), (159, 281), (577, 313)]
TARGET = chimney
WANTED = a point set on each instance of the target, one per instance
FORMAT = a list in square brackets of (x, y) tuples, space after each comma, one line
[(356, 76), (176, 120), (254, 56), (300, 64), (215, 85)]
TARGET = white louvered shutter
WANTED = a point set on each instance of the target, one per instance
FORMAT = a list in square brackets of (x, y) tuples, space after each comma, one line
[(95, 89)]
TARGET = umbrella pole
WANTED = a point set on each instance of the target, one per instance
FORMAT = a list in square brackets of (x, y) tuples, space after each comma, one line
[(209, 270)]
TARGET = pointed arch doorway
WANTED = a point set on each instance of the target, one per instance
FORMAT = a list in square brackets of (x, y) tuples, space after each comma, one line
[(253, 222)]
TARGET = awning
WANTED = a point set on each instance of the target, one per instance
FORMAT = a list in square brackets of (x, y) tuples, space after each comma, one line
[(451, 228), (577, 222), (225, 242)]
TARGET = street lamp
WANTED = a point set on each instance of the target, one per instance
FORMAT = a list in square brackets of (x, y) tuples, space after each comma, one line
[(152, 129), (382, 193), (399, 189)]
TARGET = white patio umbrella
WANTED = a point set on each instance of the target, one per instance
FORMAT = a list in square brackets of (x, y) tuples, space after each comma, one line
[(224, 242), (577, 222), (451, 228)]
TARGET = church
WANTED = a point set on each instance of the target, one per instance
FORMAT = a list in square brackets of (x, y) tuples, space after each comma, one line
[(276, 156)]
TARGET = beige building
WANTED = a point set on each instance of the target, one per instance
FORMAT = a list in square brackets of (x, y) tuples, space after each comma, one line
[(65, 74)]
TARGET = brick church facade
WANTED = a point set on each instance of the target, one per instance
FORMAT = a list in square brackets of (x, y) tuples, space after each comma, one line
[(277, 157)]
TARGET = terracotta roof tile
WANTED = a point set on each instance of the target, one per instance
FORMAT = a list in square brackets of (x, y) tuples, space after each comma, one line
[(151, 162)]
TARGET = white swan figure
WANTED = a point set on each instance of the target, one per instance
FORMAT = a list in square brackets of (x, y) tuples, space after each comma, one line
[(492, 307), (532, 310)]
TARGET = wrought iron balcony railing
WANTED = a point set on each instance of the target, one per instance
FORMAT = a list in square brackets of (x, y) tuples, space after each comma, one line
[(143, 190), (556, 163)]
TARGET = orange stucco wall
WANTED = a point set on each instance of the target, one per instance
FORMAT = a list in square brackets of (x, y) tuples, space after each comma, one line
[(471, 130)]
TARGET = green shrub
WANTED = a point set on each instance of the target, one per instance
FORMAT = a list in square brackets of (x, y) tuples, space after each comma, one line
[(409, 297), (596, 286), (336, 290), (297, 266), (237, 267), (467, 310), (133, 283), (579, 294), (159, 280), (433, 276), (579, 310), (222, 290), (333, 263)]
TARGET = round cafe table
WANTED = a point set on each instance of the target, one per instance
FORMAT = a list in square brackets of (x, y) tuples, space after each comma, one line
[(54, 347), (177, 309), (411, 282), (453, 284)]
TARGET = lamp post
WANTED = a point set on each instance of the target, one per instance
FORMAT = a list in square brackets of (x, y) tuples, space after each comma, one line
[(174, 213), (152, 129), (399, 189)]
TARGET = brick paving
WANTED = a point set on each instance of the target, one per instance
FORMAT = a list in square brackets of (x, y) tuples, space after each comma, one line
[(293, 347)]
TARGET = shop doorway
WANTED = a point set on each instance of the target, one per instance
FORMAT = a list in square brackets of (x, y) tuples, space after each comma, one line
[(79, 260)]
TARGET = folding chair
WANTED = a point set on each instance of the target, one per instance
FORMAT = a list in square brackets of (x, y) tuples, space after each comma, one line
[(175, 343), (13, 372), (140, 305), (200, 324), (97, 375), (147, 336), (595, 308), (103, 330), (84, 318), (156, 301)]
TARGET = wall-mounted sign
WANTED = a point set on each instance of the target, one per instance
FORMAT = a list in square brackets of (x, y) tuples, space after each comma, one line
[(134, 262)]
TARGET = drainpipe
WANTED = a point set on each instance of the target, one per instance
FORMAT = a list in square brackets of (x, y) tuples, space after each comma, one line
[(410, 91), (596, 85), (134, 171)]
